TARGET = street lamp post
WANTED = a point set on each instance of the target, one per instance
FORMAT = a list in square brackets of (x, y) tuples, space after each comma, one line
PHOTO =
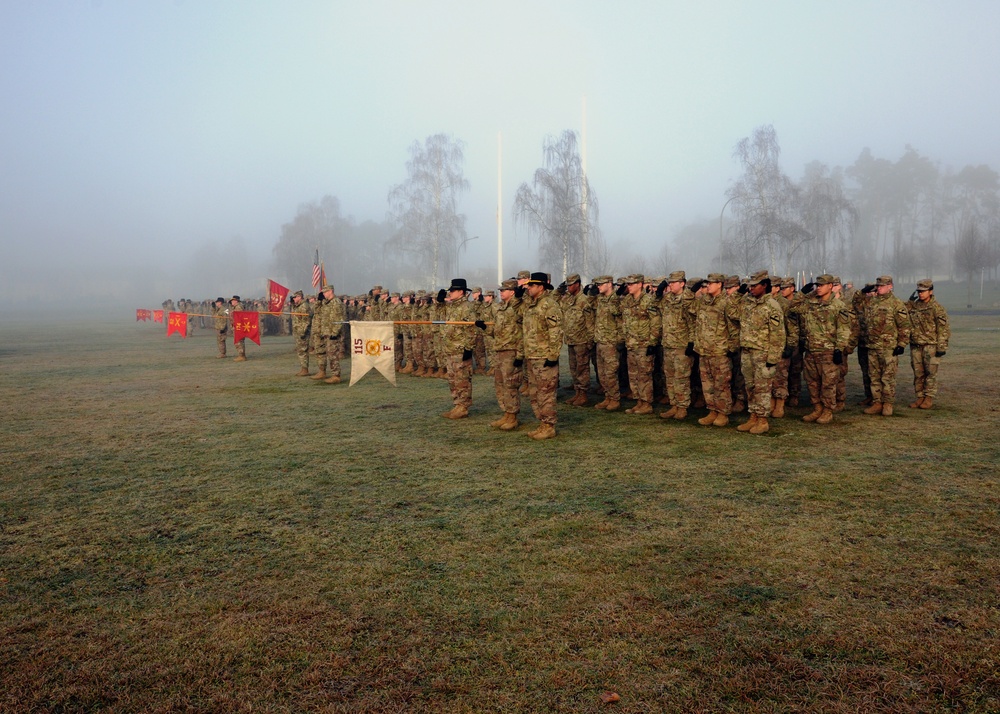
[(722, 251)]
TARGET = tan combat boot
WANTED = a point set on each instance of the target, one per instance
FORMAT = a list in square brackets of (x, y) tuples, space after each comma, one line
[(866, 402), (302, 372), (510, 423), (778, 410), (613, 406), (334, 379), (760, 427), (681, 413), (814, 414), (456, 413), (886, 410), (669, 414), (825, 417), (602, 404), (496, 423), (927, 403), (916, 404), (720, 419), (545, 431), (580, 400), (241, 358), (321, 374), (875, 408), (643, 408), (408, 369), (709, 418), (748, 424)]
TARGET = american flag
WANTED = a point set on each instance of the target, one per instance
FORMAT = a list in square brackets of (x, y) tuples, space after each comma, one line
[(317, 271)]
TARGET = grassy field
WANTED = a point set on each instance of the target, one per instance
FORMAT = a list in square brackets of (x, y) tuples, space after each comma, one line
[(181, 533)]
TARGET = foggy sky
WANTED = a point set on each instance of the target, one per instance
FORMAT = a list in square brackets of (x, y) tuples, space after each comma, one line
[(142, 139)]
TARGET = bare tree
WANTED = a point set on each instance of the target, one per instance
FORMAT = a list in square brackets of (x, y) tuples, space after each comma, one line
[(972, 254), (317, 225), (424, 208), (560, 207)]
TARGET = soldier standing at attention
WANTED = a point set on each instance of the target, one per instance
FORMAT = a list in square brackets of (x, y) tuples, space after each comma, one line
[(608, 339), (888, 324), (542, 326), (578, 333), (220, 318), (641, 327), (331, 324), (762, 340), (457, 342), (508, 353), (301, 327), (716, 336), (677, 311), (826, 328), (236, 306), (929, 335), (860, 299)]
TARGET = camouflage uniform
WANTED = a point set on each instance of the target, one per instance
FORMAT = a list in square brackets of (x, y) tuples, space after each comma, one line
[(236, 306), (735, 297), (330, 326), (888, 324), (220, 318), (677, 312), (641, 327), (929, 335), (608, 337), (858, 301), (578, 333), (301, 329), (716, 336), (508, 347), (542, 326), (479, 348), (779, 390), (826, 330), (457, 343), (762, 340)]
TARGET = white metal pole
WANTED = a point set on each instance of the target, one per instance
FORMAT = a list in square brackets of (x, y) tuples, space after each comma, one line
[(499, 208)]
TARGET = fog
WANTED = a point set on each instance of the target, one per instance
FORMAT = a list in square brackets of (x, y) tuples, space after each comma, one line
[(157, 149)]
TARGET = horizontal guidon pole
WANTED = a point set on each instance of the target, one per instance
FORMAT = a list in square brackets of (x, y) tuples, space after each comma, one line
[(347, 322)]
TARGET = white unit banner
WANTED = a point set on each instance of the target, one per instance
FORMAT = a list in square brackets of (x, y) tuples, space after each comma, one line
[(372, 345)]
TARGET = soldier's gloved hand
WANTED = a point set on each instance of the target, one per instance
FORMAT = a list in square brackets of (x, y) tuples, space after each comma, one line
[(660, 288), (731, 356), (808, 287), (913, 296), (466, 355), (897, 351), (940, 353), (518, 362), (588, 289), (838, 357), (551, 363), (689, 350), (742, 289), (480, 298), (622, 289), (561, 290), (769, 365), (695, 287), (650, 350), (786, 353), (867, 289), (442, 294), (480, 324), (519, 291)]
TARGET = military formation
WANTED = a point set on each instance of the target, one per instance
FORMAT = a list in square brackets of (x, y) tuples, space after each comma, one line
[(719, 343)]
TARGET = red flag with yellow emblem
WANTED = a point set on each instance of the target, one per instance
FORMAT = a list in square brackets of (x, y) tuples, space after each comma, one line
[(277, 293), (177, 322), (246, 325)]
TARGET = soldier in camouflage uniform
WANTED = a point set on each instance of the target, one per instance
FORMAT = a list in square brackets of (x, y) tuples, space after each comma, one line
[(542, 327), (406, 314), (826, 329), (578, 333), (780, 389), (301, 329), (420, 314), (457, 342), (394, 311), (858, 301), (479, 349), (241, 349), (735, 292), (608, 338), (641, 327), (330, 324), (716, 336), (220, 318), (929, 335), (507, 337), (888, 325), (762, 340), (852, 343), (677, 314)]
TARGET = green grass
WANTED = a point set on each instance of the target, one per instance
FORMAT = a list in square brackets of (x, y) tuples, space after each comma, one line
[(180, 533)]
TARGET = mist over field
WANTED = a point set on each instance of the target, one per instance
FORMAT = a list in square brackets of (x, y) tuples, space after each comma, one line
[(175, 149)]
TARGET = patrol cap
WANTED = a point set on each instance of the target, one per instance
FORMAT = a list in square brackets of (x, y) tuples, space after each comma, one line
[(508, 284), (421, 293), (634, 278), (758, 277), (733, 281), (787, 283), (234, 297), (394, 295), (408, 293), (297, 293), (328, 286), (601, 279), (658, 279), (677, 276), (477, 290), (925, 284), (716, 278), (376, 288), (836, 280), (524, 275), (883, 280), (824, 279), (572, 278)]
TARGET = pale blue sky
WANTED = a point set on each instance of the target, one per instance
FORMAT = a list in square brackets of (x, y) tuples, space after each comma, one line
[(133, 133)]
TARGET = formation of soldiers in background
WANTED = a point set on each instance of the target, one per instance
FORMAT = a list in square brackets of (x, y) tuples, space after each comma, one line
[(715, 343)]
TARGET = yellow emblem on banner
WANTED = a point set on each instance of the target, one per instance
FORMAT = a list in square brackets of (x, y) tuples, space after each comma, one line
[(373, 348)]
